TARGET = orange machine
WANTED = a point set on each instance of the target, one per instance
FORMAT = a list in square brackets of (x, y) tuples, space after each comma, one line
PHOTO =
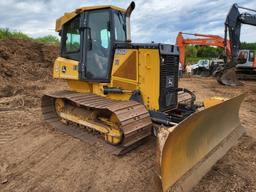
[(210, 40)]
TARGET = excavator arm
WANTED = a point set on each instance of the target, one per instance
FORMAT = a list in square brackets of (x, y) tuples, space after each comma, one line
[(209, 40), (233, 24)]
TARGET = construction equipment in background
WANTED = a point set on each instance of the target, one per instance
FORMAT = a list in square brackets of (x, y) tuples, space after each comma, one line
[(246, 65), (124, 92), (234, 20), (206, 67), (208, 40)]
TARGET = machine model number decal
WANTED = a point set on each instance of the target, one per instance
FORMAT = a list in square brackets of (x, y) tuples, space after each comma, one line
[(121, 51)]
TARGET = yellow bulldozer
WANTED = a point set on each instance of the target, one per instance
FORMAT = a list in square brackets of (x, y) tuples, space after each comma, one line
[(124, 92)]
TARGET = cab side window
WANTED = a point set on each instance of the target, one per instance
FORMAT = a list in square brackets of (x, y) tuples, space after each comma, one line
[(119, 22), (71, 39), (251, 56)]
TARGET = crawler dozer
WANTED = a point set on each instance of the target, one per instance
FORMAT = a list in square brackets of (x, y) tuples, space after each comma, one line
[(121, 93)]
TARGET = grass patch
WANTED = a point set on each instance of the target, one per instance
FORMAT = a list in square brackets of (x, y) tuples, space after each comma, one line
[(6, 33)]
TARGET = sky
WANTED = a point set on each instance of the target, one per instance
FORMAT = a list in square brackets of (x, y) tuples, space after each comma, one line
[(152, 20)]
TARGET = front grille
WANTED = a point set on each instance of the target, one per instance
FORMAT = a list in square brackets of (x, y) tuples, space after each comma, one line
[(168, 81)]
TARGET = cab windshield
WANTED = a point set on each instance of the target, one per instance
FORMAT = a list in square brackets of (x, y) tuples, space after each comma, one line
[(242, 57), (71, 39)]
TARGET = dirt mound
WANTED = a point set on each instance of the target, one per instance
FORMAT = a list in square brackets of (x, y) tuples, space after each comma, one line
[(25, 66)]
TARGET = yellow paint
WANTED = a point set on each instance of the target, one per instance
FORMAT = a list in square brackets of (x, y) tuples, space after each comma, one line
[(112, 133), (59, 105), (128, 57), (79, 86), (213, 101), (119, 60), (98, 88), (70, 15), (71, 69), (147, 65), (122, 97), (149, 77)]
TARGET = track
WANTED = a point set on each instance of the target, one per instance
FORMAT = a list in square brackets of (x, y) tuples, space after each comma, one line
[(134, 119)]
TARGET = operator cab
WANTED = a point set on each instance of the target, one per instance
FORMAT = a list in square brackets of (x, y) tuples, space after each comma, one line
[(89, 39), (245, 59)]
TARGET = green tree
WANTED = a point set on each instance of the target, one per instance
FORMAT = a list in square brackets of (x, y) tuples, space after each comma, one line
[(245, 45), (191, 51)]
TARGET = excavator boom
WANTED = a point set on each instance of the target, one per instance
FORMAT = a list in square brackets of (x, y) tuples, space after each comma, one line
[(233, 24), (209, 40)]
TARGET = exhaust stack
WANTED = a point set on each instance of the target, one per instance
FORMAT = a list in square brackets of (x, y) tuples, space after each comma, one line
[(128, 21)]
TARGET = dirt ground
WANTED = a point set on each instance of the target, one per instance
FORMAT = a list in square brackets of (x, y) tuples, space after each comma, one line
[(34, 157)]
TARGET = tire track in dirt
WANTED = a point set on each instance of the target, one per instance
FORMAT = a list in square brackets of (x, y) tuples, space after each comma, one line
[(70, 172), (6, 137), (15, 126), (26, 164), (41, 157), (38, 168), (7, 133)]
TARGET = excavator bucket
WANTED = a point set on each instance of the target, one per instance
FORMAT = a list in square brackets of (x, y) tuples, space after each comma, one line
[(228, 77), (186, 152)]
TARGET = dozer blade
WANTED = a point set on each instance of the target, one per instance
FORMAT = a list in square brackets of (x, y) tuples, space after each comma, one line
[(186, 152), (228, 77)]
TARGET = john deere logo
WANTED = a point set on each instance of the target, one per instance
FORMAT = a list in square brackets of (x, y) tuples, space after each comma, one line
[(64, 69), (169, 81)]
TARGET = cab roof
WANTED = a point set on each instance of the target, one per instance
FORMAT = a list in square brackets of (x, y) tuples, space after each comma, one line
[(70, 15)]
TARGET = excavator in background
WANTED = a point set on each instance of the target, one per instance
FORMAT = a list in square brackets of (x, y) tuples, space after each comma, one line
[(234, 20), (121, 93), (246, 65), (209, 40), (204, 39)]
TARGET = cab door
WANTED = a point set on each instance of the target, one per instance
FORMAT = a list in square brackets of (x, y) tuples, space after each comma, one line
[(98, 45)]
